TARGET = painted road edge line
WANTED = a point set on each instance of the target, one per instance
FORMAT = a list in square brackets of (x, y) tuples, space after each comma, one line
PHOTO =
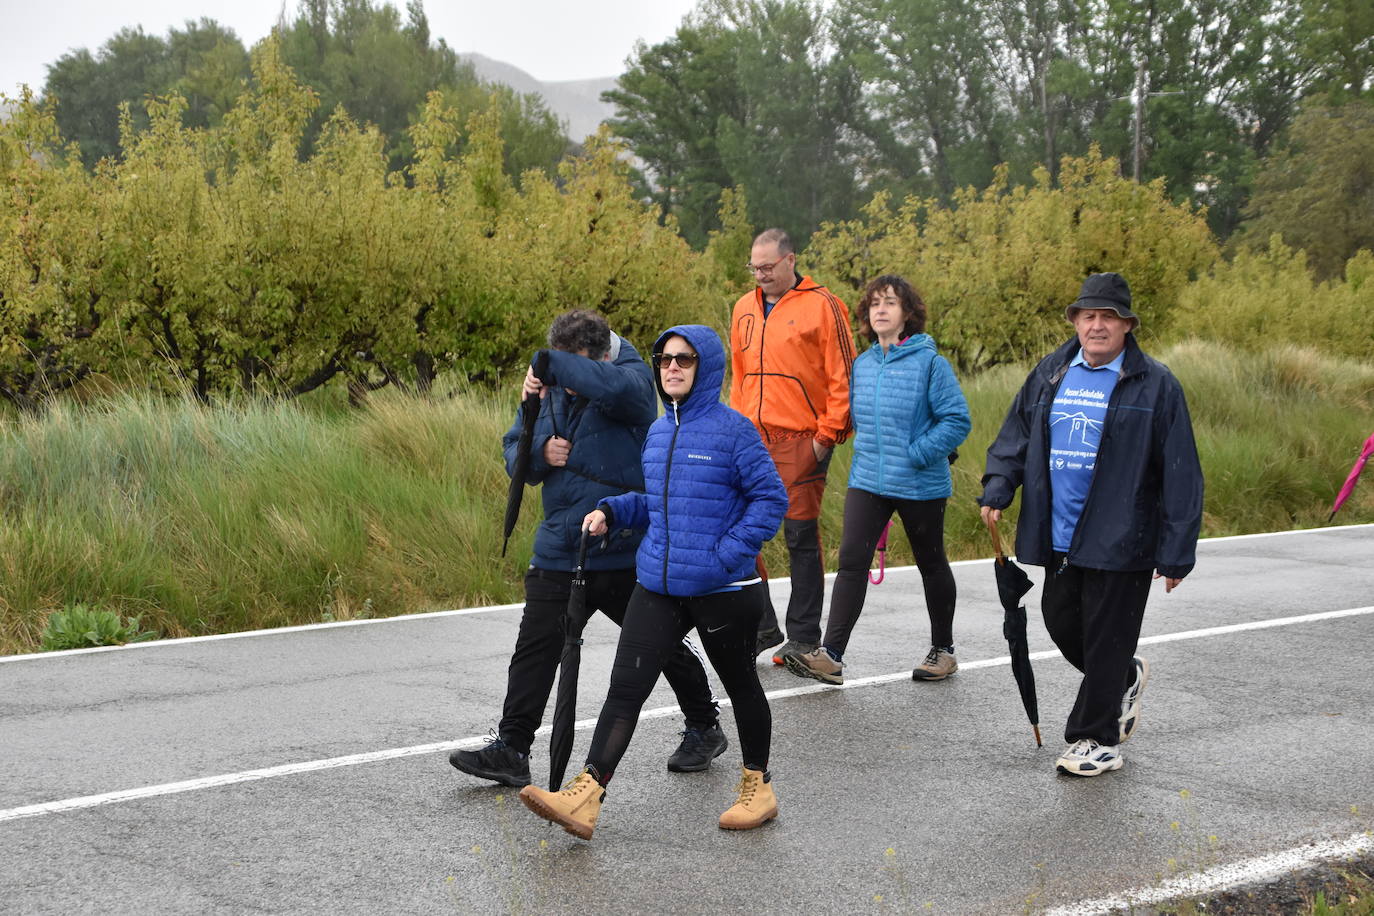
[(463, 612), (1223, 877), (330, 763)]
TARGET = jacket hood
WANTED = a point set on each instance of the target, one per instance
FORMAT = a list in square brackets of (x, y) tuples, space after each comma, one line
[(710, 367), (913, 344)]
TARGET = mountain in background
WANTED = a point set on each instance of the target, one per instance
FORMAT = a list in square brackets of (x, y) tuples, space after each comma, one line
[(578, 102)]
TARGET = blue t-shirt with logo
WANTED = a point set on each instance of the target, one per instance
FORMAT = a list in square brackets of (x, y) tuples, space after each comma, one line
[(1076, 419)]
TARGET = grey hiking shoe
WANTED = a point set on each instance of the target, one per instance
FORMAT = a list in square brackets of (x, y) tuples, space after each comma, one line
[(791, 647), (937, 666), (818, 664)]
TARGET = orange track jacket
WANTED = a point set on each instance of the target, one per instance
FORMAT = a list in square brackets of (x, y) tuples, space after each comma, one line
[(789, 373)]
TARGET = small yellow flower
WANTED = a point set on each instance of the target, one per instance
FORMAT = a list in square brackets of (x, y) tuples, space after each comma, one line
[(1184, 793), (477, 849), (1174, 825), (890, 851)]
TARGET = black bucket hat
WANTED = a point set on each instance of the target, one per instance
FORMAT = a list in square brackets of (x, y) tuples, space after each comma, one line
[(1105, 291)]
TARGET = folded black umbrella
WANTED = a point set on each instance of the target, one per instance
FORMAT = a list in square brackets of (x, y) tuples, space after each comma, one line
[(565, 704), (1012, 585), (529, 413)]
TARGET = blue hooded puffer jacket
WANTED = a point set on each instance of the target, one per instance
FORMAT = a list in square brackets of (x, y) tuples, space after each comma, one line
[(712, 494), (606, 421), (909, 414)]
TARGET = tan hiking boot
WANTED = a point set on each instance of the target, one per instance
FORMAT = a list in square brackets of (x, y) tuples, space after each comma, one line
[(817, 664), (574, 808), (938, 665), (756, 805)]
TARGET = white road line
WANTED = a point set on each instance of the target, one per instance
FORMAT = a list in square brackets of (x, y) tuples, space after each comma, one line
[(1222, 877), (311, 766), (461, 612)]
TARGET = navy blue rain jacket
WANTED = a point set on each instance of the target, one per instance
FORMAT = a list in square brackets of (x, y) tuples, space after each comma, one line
[(1144, 508), (606, 421), (712, 493)]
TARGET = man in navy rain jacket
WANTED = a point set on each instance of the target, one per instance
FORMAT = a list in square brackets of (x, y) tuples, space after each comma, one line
[(593, 416), (1101, 445)]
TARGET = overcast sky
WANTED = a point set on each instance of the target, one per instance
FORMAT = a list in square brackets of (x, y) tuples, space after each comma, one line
[(549, 39)]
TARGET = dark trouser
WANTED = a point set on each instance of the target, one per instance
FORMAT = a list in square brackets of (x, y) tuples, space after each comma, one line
[(1094, 617), (804, 478), (865, 514), (540, 645), (654, 624)]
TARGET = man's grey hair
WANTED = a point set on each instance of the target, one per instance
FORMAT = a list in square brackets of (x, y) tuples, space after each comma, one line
[(579, 330), (779, 236)]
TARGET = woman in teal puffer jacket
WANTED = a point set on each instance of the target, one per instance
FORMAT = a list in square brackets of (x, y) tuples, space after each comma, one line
[(909, 417)]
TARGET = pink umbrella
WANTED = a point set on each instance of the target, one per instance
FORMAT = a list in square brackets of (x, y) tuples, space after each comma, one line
[(1349, 485)]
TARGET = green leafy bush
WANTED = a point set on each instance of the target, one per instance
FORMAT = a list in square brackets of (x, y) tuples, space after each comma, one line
[(80, 627), (998, 266)]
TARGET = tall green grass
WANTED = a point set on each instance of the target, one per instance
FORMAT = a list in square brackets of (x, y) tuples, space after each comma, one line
[(266, 514)]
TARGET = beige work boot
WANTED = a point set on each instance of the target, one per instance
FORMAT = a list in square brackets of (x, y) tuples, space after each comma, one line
[(574, 808), (756, 805)]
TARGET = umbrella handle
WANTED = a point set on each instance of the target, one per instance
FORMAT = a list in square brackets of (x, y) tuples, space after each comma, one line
[(882, 555), (996, 542), (581, 554)]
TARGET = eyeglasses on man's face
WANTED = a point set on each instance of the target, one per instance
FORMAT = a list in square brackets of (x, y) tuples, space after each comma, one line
[(764, 269), (683, 360)]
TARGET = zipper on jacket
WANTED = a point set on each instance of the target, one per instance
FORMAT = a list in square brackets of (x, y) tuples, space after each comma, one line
[(763, 332), (878, 417), (667, 474)]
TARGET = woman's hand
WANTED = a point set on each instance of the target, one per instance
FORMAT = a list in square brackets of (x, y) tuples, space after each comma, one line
[(595, 522)]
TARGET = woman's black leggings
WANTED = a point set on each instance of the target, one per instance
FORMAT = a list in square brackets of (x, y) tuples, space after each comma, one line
[(865, 514), (727, 624)]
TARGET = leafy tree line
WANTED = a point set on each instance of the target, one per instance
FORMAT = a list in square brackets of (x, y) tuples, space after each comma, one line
[(355, 55), (814, 109), (217, 260)]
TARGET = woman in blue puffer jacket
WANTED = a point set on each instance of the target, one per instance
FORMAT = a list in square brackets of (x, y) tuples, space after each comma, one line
[(712, 498), (909, 417)]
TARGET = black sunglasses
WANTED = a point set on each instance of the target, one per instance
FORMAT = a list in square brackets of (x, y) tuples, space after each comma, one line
[(684, 360)]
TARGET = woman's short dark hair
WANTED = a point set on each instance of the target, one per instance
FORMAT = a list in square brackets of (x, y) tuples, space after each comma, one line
[(913, 306), (579, 330)]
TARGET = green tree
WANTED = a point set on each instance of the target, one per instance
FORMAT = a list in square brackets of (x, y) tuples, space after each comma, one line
[(746, 93), (50, 284), (1317, 191), (997, 266)]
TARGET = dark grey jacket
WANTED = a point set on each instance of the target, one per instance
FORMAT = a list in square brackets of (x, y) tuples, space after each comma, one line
[(1144, 508)]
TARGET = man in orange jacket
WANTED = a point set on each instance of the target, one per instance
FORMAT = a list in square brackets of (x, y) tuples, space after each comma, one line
[(791, 351)]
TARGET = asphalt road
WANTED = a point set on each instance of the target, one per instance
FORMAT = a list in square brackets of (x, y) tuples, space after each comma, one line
[(306, 770)]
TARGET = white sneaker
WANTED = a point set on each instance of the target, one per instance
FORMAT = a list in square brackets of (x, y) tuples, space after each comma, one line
[(1130, 701), (1085, 757)]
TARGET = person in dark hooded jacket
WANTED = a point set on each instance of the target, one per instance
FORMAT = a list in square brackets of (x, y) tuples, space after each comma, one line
[(1101, 445), (592, 422), (712, 497)]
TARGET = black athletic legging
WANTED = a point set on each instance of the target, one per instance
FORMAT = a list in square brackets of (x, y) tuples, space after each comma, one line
[(865, 514), (727, 624)]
